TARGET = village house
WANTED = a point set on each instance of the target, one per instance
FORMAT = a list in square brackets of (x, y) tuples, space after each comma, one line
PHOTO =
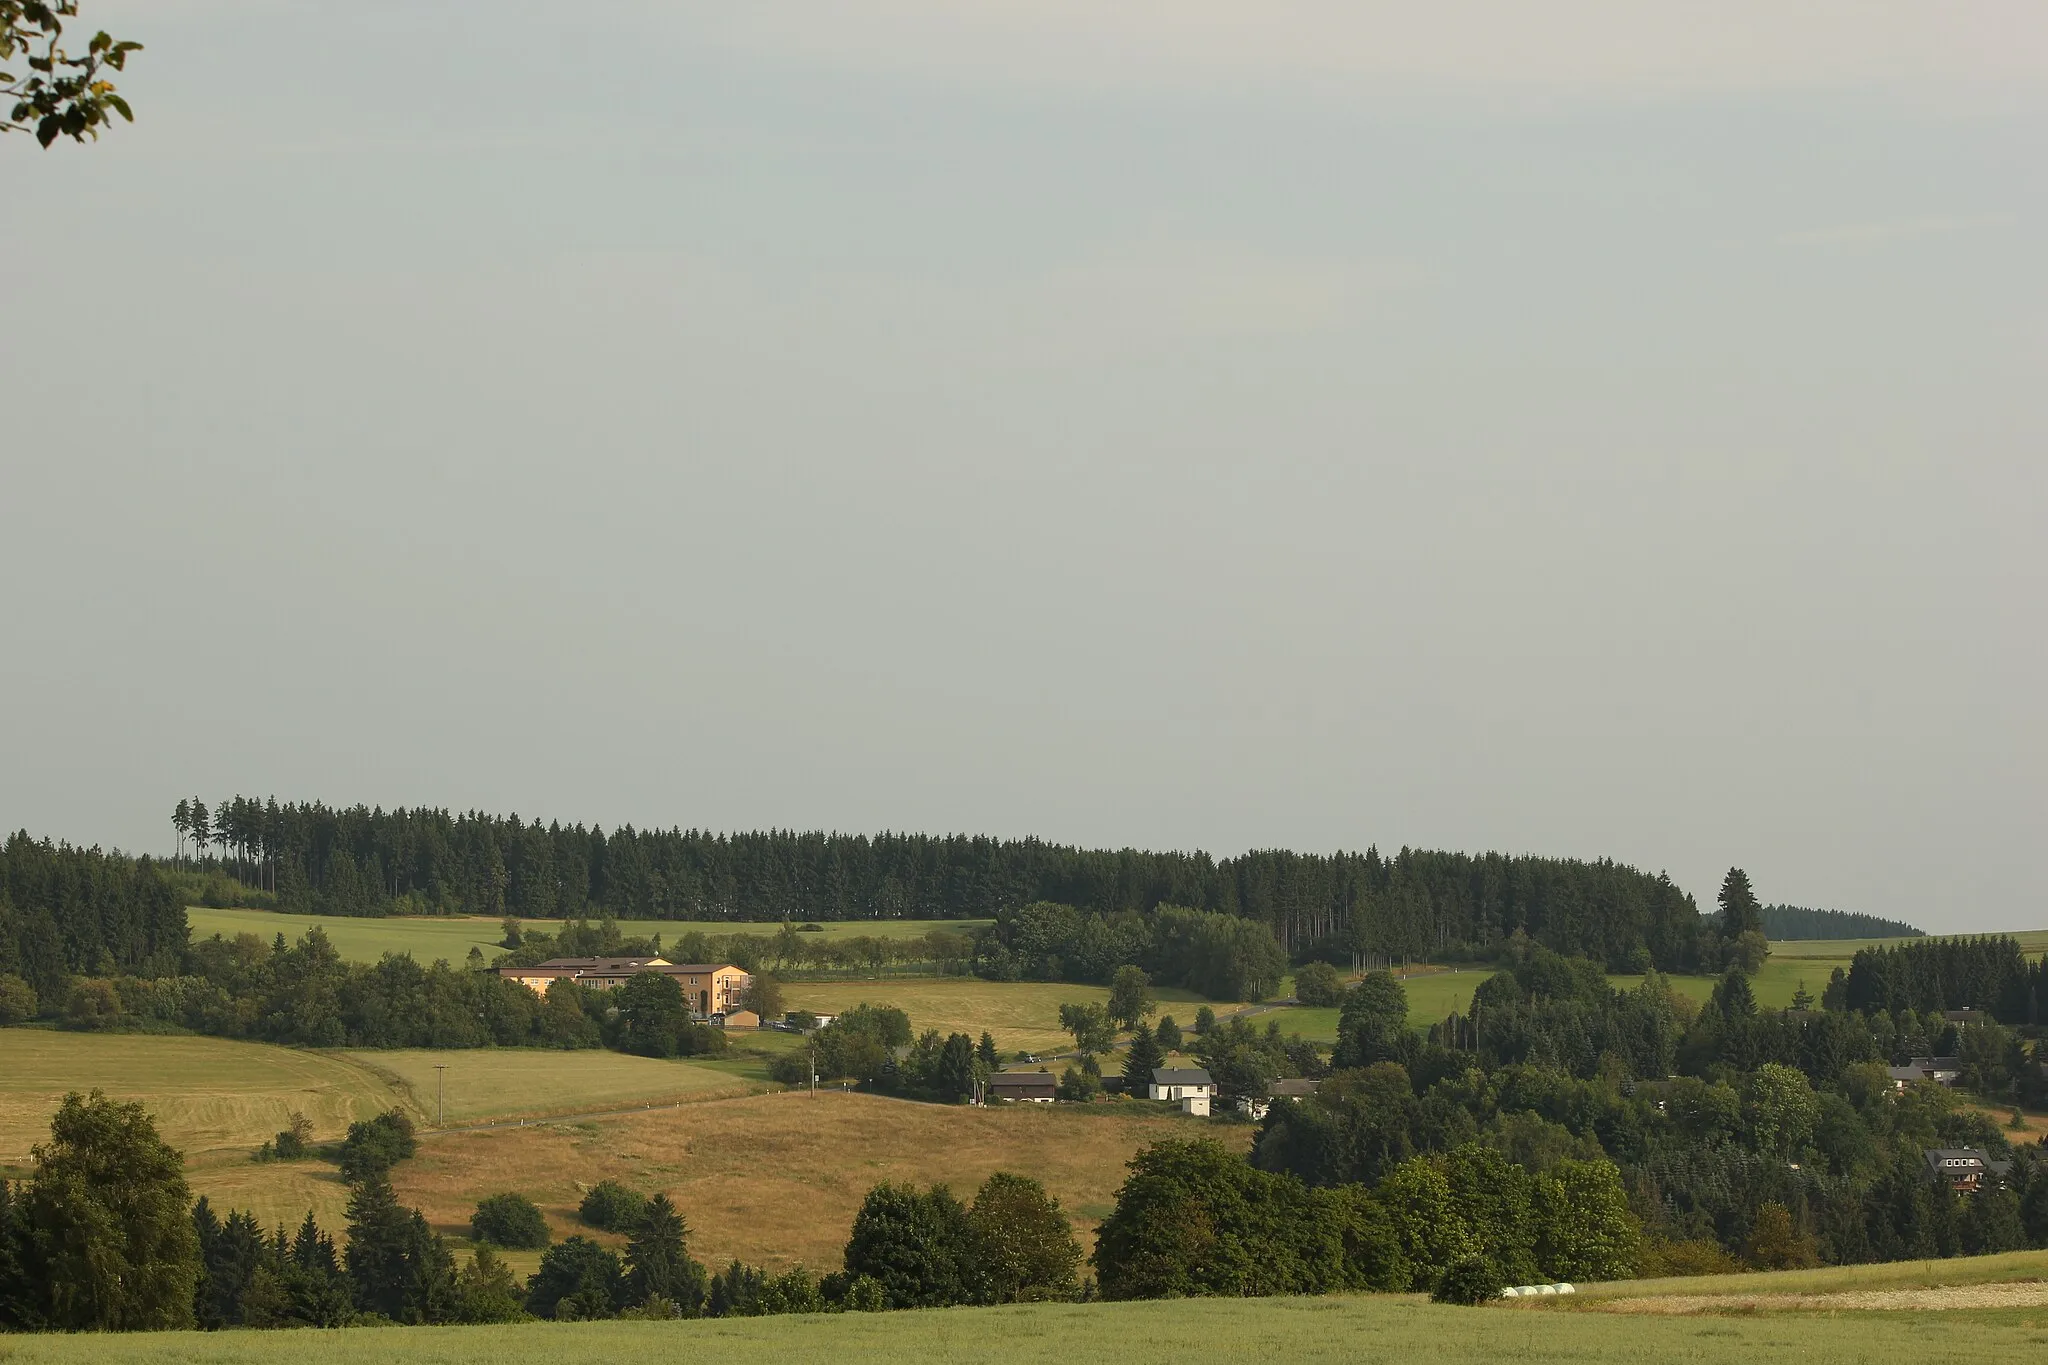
[(1176, 1085), (708, 988), (1254, 1107), (1966, 1169), (1031, 1087)]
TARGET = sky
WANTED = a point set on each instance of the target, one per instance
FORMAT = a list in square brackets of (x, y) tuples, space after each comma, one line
[(1589, 429)]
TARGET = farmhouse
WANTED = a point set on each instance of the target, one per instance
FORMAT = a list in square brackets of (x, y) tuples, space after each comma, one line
[(708, 988), (1292, 1088), (1966, 1169), (1035, 1087), (1176, 1085)]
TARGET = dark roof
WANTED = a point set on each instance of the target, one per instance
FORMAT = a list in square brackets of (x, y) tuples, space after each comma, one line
[(1291, 1086), (602, 964), (1022, 1080), (1957, 1159), (1170, 1076)]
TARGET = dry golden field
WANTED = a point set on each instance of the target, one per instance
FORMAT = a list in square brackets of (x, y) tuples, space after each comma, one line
[(482, 1084), (210, 1097), (775, 1179)]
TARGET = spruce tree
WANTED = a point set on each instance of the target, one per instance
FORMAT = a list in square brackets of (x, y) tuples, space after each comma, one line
[(1740, 912), (658, 1264), (1145, 1057)]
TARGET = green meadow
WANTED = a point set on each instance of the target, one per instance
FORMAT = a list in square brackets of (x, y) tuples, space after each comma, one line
[(428, 937), (1176, 1332)]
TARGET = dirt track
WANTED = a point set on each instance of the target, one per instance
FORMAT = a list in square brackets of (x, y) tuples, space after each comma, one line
[(2031, 1295)]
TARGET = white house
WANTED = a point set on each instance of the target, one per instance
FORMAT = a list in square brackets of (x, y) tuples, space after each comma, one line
[(1292, 1088), (1176, 1085), (1196, 1104)]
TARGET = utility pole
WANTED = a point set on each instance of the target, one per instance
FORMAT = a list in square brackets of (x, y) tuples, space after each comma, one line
[(440, 1095)]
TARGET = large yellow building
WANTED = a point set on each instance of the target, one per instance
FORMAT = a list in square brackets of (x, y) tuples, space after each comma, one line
[(708, 988)]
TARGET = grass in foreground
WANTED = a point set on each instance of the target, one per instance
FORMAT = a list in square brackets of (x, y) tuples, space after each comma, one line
[(1301, 1331), (212, 1098), (776, 1179)]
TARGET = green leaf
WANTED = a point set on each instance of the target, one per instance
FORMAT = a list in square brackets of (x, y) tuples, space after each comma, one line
[(122, 106)]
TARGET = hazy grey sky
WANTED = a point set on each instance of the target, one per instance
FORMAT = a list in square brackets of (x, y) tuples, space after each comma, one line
[(1581, 428)]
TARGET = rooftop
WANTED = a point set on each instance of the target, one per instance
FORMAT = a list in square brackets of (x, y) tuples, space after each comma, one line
[(1169, 1076), (1013, 1079)]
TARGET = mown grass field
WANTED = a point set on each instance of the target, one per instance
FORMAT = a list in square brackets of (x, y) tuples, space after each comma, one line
[(1307, 1331), (1023, 1015), (451, 937), (2009, 1267), (775, 1179), (212, 1098), (483, 1084)]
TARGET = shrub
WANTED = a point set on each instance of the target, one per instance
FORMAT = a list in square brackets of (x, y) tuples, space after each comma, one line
[(1317, 983), (763, 996), (18, 1002), (919, 1245), (486, 1290), (1471, 1281), (1776, 1243), (1078, 1085), (92, 1004), (291, 1142), (1026, 1243), (612, 1207), (374, 1146), (864, 1294), (509, 1220), (577, 1280), (1702, 1256)]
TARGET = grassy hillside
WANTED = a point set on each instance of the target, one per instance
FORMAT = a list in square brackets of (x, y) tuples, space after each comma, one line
[(1021, 1014), (211, 1097), (451, 937), (1302, 1331), (491, 1083), (777, 1178), (2010, 1267)]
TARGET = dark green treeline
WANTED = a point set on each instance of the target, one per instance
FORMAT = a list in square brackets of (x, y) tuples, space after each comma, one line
[(363, 861), (1796, 921)]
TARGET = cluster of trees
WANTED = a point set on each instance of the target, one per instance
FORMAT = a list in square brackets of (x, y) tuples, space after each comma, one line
[(874, 1045), (78, 912), (1211, 953), (303, 994), (1192, 1219), (1346, 906), (1797, 922), (1991, 974), (793, 951), (1734, 1129), (105, 1237)]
